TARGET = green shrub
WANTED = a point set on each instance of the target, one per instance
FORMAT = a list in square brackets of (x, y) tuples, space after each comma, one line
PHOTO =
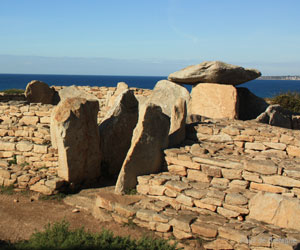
[(289, 101), (8, 190), (13, 91), (59, 236)]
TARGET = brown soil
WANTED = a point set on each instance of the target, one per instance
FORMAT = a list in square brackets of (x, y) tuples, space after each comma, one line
[(20, 217)]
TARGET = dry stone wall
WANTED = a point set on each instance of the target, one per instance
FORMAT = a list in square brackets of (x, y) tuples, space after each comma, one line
[(27, 158), (104, 94), (230, 171)]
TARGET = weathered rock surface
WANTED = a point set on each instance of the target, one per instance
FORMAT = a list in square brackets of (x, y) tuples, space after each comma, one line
[(116, 131), (178, 119), (214, 72), (145, 155), (165, 94), (172, 98), (74, 92), (121, 86), (275, 209), (39, 92), (250, 105), (214, 101), (275, 115), (76, 136)]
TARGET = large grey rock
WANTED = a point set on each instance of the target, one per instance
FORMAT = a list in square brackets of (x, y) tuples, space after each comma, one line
[(173, 99), (275, 209), (150, 138), (116, 131), (214, 72), (73, 91), (39, 92), (75, 134), (213, 100), (250, 105), (275, 115)]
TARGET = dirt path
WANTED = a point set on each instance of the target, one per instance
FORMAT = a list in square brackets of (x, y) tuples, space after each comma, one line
[(18, 220)]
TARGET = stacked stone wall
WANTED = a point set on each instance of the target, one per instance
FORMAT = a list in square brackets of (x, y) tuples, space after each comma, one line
[(27, 157), (222, 166)]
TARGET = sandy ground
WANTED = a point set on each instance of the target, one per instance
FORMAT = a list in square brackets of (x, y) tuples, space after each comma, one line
[(20, 217)]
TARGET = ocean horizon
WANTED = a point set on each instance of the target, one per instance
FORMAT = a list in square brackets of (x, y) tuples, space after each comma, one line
[(261, 88)]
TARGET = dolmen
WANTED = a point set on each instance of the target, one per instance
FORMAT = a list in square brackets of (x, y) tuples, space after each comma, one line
[(214, 94)]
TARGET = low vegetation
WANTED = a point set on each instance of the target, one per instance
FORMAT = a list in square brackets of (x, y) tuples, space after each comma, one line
[(8, 190), (59, 236), (289, 101), (13, 91)]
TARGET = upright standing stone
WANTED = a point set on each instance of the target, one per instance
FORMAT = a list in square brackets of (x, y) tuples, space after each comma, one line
[(150, 138), (178, 118), (75, 134), (121, 86), (39, 92), (172, 98), (214, 101), (116, 131)]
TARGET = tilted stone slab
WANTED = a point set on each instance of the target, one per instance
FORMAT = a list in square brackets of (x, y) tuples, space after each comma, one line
[(39, 92), (116, 131), (218, 163), (150, 138), (261, 166)]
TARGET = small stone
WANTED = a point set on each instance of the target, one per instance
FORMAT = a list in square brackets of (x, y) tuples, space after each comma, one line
[(218, 244), (76, 210)]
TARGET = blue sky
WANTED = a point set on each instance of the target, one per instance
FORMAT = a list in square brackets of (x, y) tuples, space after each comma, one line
[(147, 37)]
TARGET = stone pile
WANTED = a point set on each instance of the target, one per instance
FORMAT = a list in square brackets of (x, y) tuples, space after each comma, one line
[(27, 157)]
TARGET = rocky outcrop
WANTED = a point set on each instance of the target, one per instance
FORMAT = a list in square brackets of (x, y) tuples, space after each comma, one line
[(172, 98), (214, 72), (75, 134), (39, 92), (214, 101), (275, 115), (145, 155), (249, 106), (116, 131), (275, 209)]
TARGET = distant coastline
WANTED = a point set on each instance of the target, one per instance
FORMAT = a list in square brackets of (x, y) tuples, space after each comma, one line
[(296, 78)]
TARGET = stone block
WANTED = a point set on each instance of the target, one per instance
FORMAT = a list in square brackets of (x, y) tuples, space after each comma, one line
[(255, 146), (178, 186), (183, 199), (233, 234), (198, 176), (177, 169), (227, 213), (187, 164), (145, 214), (218, 244), (261, 166), (279, 180), (162, 227), (293, 151), (211, 171), (236, 199), (157, 190), (275, 209), (196, 193), (204, 230), (267, 188), (41, 149), (251, 176), (7, 146), (232, 174), (181, 235)]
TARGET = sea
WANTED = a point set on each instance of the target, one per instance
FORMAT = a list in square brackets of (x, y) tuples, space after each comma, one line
[(261, 88)]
